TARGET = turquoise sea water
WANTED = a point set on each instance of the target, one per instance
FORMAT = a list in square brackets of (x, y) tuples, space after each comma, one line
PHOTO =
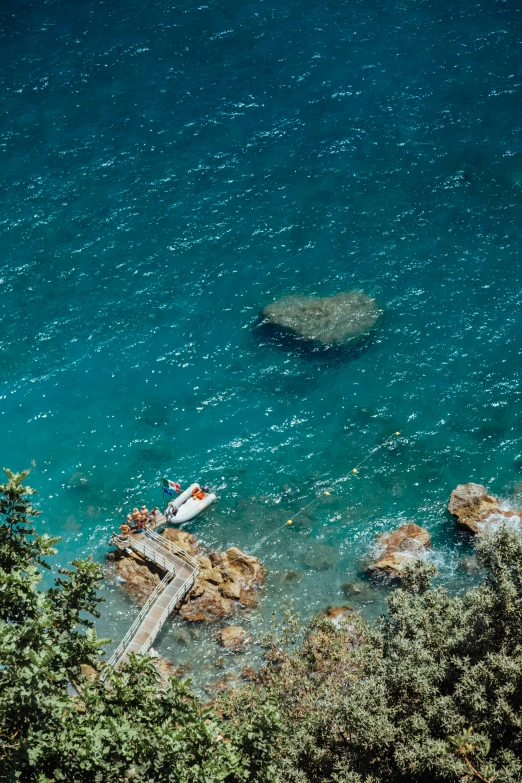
[(167, 171)]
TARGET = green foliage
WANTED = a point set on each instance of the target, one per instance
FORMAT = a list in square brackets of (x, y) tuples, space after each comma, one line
[(397, 702), (21, 550), (124, 728), (43, 643), (120, 730)]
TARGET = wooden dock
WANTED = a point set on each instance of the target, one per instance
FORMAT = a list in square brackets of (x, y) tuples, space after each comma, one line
[(181, 571)]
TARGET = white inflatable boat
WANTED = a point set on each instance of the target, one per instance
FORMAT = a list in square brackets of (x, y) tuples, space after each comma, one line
[(186, 506)]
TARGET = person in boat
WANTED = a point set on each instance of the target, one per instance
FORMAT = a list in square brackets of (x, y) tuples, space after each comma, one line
[(171, 511), (135, 516), (125, 529), (198, 494)]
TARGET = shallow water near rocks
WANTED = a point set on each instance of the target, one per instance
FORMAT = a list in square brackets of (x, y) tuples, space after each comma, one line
[(168, 171)]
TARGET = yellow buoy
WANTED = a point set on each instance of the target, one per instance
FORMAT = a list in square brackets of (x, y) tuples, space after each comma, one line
[(289, 522), (397, 433), (327, 493), (354, 470)]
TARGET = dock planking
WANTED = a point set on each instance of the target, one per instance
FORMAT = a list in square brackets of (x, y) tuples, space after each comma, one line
[(181, 571)]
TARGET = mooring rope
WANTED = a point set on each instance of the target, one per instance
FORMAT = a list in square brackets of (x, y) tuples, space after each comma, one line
[(327, 491)]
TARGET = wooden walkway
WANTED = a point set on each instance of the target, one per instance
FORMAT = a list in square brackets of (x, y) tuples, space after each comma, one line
[(181, 571)]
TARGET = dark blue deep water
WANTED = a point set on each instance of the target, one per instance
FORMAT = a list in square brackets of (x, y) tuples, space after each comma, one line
[(168, 169)]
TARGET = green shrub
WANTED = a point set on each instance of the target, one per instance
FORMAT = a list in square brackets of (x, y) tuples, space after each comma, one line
[(432, 693)]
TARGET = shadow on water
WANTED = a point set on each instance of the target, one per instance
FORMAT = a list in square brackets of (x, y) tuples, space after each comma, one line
[(281, 339), (154, 414)]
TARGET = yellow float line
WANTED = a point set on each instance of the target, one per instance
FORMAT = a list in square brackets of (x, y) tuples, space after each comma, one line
[(327, 491)]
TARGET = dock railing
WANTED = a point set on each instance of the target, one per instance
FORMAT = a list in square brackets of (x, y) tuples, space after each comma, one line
[(140, 617), (176, 598), (172, 548), (158, 555), (172, 559)]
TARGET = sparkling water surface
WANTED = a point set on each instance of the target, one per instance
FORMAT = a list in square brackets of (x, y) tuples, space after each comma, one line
[(170, 169)]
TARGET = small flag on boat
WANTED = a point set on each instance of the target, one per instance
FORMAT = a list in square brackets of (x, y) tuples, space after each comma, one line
[(169, 485)]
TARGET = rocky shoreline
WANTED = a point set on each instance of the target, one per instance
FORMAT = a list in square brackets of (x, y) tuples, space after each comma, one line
[(474, 510), (230, 580), (227, 580)]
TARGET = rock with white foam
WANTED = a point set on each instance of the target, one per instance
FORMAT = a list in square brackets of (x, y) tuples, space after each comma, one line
[(400, 548), (476, 510)]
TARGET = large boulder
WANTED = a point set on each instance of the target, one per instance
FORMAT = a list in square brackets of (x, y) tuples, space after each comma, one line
[(234, 638), (400, 548), (333, 321), (183, 539), (139, 577), (226, 579), (475, 509), (205, 605)]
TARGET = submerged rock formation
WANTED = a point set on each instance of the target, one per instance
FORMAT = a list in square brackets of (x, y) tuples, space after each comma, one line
[(400, 548), (226, 580), (340, 320), (319, 557), (475, 509), (234, 638), (358, 590)]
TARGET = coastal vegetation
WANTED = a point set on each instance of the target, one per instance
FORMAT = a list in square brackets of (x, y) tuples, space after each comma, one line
[(432, 692), (56, 724)]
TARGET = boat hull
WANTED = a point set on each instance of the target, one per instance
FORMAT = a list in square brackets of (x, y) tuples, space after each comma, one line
[(188, 506)]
